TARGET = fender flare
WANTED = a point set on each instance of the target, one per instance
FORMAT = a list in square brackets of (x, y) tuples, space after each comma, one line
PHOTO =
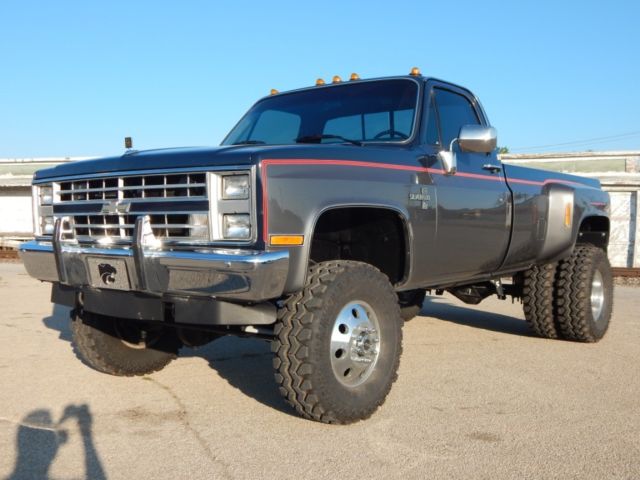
[(561, 226)]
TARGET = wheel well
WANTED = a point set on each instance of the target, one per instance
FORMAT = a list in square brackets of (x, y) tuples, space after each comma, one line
[(594, 231), (373, 235)]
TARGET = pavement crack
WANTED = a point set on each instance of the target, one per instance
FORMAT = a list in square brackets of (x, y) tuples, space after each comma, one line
[(184, 418)]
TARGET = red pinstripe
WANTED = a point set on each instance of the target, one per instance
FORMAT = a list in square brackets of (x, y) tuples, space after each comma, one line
[(385, 166)]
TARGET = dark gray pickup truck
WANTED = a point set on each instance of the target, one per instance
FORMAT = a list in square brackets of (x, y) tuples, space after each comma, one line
[(319, 224)]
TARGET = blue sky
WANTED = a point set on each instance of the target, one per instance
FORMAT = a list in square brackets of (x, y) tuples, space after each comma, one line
[(77, 76)]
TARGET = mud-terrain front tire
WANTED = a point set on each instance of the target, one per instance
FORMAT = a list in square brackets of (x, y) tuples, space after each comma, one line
[(585, 294), (117, 347), (338, 342), (538, 300)]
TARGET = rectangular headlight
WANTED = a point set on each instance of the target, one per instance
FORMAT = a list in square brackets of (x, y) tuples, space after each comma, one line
[(236, 227), (235, 187), (231, 206)]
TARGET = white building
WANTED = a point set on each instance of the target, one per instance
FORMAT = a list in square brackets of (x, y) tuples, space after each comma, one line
[(16, 218)]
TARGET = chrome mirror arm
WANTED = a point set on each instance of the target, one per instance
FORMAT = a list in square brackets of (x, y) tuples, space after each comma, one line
[(448, 159)]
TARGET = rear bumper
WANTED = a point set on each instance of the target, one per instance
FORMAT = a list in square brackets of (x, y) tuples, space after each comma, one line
[(244, 275)]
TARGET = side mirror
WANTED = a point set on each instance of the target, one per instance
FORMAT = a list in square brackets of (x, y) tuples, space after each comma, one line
[(477, 138), (472, 138)]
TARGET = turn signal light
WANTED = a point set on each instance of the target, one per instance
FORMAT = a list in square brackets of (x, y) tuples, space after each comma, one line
[(286, 240)]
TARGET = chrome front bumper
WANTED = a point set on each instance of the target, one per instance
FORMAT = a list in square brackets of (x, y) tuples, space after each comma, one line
[(206, 272)]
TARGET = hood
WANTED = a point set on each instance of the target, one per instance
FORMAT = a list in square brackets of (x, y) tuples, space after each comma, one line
[(231, 155), (153, 159)]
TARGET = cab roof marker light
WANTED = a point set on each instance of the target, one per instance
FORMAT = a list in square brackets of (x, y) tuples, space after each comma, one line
[(336, 79), (354, 76), (319, 82), (415, 72), (274, 91)]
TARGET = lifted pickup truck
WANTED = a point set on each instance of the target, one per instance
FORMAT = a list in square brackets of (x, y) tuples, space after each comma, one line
[(318, 224)]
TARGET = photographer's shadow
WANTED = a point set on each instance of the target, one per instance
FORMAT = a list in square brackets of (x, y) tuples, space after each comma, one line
[(39, 439)]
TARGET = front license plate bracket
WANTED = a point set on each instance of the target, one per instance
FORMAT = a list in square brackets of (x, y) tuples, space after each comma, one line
[(108, 273)]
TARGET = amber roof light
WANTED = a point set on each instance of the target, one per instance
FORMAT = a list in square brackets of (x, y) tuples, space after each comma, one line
[(319, 82), (354, 76), (274, 91), (336, 79), (415, 71)]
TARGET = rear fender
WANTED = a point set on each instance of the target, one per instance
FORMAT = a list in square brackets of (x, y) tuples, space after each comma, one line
[(561, 228)]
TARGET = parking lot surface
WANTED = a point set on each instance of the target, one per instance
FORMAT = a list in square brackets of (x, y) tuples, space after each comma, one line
[(477, 397)]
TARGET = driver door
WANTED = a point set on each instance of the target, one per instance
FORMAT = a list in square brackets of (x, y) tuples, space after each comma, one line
[(473, 204)]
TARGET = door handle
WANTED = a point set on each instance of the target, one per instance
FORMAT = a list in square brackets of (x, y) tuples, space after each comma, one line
[(492, 168)]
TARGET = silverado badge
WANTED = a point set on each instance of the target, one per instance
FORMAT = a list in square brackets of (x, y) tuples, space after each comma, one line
[(423, 196)]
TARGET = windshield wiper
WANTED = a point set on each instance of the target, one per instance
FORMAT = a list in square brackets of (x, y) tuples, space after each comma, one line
[(249, 142), (317, 138)]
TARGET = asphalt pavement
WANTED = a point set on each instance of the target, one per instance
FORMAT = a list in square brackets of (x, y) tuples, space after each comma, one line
[(477, 397)]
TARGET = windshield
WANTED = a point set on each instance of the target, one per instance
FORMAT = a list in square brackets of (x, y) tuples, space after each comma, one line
[(379, 111)]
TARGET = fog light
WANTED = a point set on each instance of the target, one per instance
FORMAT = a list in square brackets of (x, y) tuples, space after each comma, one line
[(235, 187), (236, 227)]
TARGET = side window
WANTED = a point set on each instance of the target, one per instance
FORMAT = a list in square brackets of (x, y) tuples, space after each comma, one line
[(433, 135), (454, 111), (276, 126)]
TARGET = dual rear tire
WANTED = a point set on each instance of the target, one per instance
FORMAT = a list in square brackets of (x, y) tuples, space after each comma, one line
[(571, 299)]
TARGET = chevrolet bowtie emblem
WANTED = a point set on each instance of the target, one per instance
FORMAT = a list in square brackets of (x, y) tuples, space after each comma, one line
[(115, 207)]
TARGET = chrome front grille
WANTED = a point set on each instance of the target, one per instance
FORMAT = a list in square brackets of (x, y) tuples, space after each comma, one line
[(179, 186), (107, 208)]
